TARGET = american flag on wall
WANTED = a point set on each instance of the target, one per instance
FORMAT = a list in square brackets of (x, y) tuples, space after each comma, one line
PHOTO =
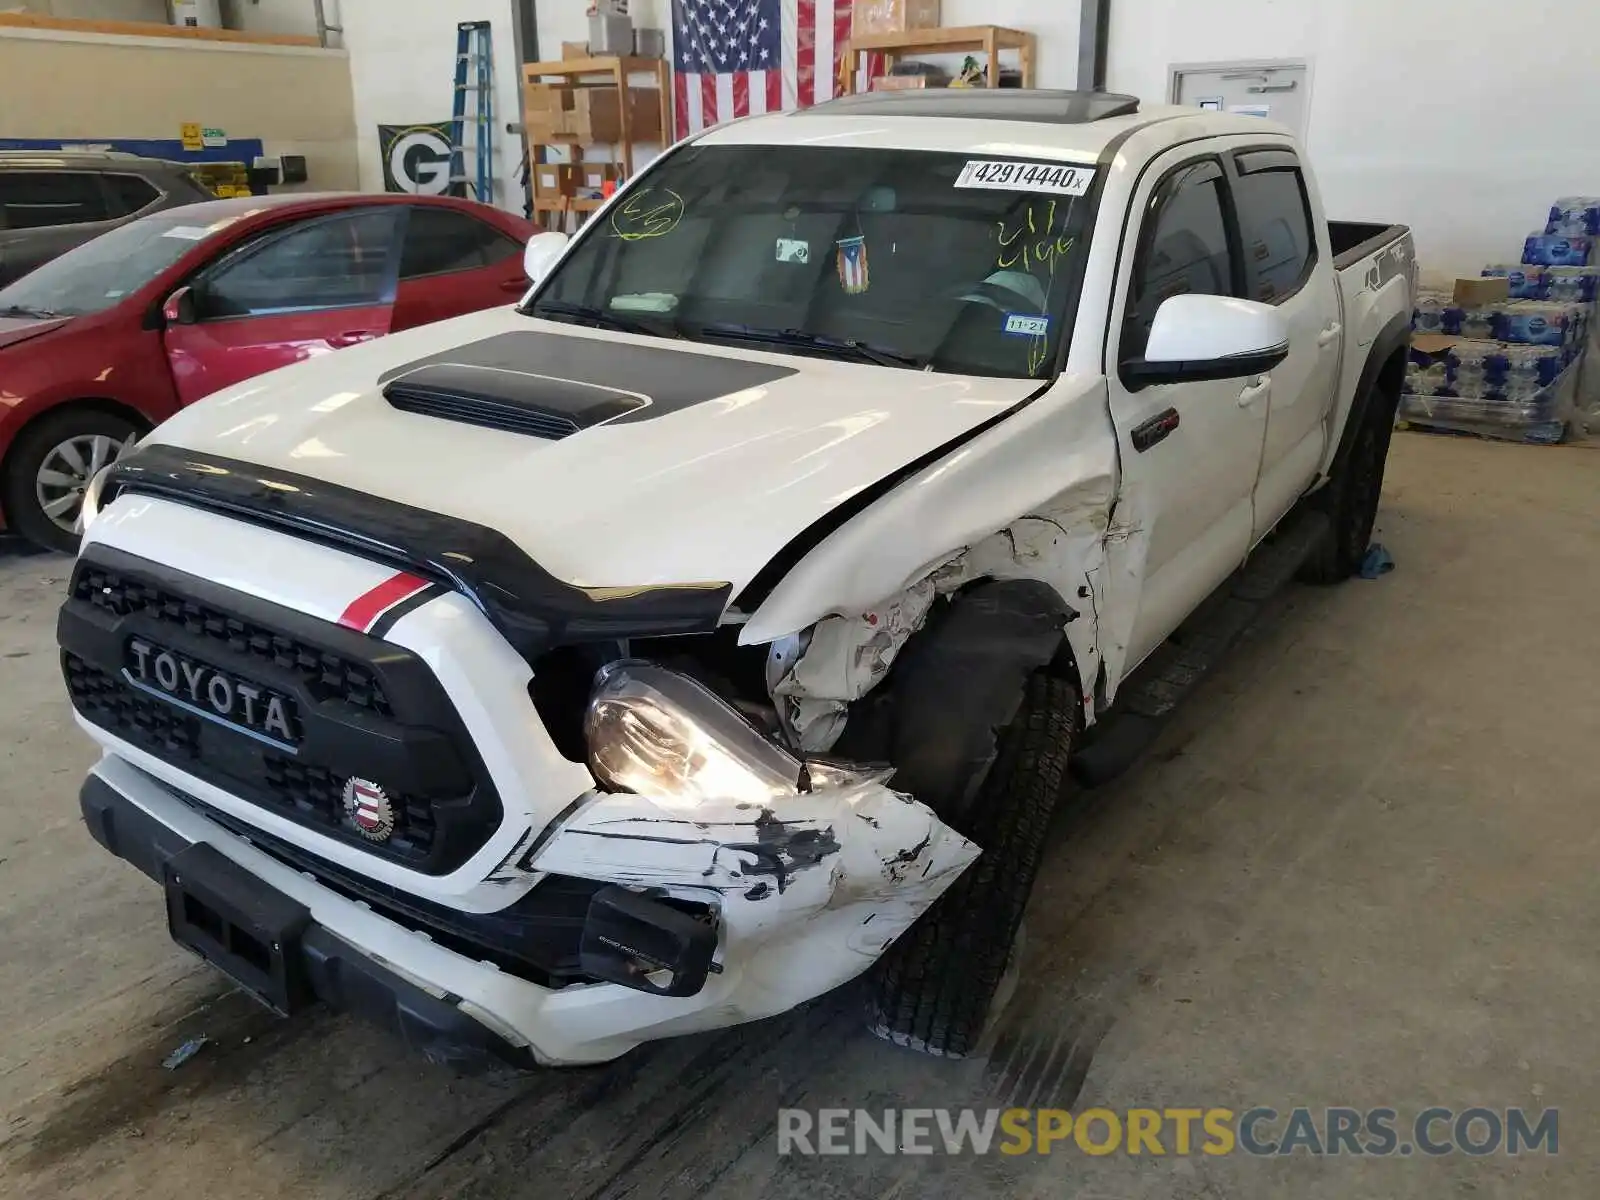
[(739, 58)]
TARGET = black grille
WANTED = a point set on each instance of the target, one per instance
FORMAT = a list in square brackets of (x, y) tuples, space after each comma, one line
[(328, 676), (312, 795), (317, 794), (147, 723), (362, 708)]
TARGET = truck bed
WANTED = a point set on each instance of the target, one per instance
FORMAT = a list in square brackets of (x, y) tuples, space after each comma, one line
[(1354, 240)]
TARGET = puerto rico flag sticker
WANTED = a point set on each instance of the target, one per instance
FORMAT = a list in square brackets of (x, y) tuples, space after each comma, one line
[(853, 276), (376, 611)]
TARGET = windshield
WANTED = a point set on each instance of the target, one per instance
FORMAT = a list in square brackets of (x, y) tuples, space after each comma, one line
[(99, 273), (914, 259)]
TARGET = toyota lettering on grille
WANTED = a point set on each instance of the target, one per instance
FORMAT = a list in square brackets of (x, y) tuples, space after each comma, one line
[(207, 692)]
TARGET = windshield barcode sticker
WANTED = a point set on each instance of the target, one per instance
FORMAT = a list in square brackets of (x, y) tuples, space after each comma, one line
[(1026, 177)]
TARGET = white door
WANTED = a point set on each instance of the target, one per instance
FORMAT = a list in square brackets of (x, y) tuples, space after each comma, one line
[(1277, 91), (1288, 264), (1190, 451)]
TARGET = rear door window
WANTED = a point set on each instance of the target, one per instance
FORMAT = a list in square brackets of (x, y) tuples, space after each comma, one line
[(36, 199), (441, 240), (1275, 225), (130, 194)]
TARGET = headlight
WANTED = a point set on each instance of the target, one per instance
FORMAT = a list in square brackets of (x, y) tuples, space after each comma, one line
[(664, 735)]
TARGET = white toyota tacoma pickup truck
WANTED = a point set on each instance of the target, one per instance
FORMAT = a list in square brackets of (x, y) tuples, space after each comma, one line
[(723, 621)]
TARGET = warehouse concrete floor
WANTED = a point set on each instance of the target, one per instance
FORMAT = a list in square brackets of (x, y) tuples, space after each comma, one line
[(1360, 870)]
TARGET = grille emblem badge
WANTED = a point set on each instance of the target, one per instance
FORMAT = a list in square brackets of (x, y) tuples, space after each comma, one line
[(369, 809)]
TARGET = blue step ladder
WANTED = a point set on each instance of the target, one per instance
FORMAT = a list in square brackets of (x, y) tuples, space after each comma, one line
[(474, 81)]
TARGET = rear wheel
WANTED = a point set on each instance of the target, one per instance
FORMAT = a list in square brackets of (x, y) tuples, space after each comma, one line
[(934, 987), (1352, 496), (50, 467)]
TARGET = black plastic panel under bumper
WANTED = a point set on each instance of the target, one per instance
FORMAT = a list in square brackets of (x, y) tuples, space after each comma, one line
[(338, 974)]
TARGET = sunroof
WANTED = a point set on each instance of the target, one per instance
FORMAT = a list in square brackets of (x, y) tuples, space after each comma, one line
[(989, 104)]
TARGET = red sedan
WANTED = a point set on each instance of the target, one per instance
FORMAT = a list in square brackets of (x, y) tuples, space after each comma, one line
[(102, 343)]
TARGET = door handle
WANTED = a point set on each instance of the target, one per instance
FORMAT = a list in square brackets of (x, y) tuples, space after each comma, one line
[(1255, 391), (1328, 335), (353, 337), (515, 285)]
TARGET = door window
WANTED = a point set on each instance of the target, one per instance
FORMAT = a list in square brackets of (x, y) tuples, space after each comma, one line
[(345, 261), (440, 240), (1274, 225), (1184, 249), (34, 199), (130, 194)]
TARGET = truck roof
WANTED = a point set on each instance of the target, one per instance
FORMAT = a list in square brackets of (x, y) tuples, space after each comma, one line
[(1073, 126)]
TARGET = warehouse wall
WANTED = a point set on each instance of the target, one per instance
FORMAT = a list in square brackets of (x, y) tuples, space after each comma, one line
[(95, 10), (1464, 123), (277, 16), (402, 66), (298, 101)]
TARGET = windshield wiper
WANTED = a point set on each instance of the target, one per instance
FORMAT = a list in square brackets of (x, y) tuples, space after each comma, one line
[(601, 317), (838, 347), (28, 310)]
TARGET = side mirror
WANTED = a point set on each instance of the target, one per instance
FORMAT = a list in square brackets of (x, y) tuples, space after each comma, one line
[(1196, 338), (541, 253), (179, 308)]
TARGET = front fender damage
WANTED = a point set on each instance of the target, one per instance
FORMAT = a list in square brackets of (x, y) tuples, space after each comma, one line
[(810, 888)]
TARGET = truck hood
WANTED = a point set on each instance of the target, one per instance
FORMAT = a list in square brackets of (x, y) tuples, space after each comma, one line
[(684, 462), (20, 329)]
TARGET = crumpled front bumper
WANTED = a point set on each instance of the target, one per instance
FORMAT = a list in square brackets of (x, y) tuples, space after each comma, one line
[(806, 892)]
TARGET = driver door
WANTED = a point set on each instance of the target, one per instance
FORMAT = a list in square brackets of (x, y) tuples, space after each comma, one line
[(318, 285), (1190, 451)]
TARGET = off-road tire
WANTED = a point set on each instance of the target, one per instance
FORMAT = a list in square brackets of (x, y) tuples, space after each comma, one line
[(1351, 497), (24, 516), (933, 988)]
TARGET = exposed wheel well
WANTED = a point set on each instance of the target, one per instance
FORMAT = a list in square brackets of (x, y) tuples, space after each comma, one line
[(1392, 376)]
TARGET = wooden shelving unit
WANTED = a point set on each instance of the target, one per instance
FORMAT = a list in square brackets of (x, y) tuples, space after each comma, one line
[(599, 72), (987, 40)]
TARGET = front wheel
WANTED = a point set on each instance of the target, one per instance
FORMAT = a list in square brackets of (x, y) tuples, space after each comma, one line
[(934, 987), (50, 467)]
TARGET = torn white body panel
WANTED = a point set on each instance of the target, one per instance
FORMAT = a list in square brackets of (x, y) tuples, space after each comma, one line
[(810, 888), (1030, 499), (842, 660)]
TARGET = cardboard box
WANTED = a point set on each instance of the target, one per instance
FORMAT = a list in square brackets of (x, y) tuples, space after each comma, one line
[(544, 109), (893, 16), (593, 176), (1481, 291), (899, 83), (590, 115), (554, 179), (572, 50)]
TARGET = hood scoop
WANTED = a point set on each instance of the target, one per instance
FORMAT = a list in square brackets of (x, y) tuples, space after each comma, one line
[(553, 386), (513, 401)]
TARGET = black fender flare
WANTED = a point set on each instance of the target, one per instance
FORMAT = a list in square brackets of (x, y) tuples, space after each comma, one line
[(1394, 338), (961, 680)]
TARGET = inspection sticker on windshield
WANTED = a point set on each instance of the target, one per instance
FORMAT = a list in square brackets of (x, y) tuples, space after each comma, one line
[(1027, 325), (1026, 177)]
